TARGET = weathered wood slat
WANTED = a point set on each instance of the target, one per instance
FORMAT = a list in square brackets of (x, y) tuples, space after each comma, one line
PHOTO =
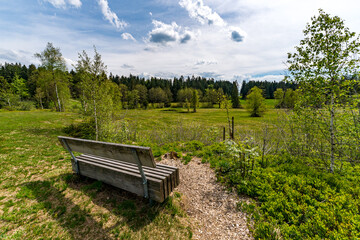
[(114, 151), (171, 168), (152, 172), (128, 168), (123, 166), (163, 170), (171, 173), (124, 180)]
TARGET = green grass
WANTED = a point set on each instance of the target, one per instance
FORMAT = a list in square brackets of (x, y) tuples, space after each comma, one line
[(40, 198), (161, 126)]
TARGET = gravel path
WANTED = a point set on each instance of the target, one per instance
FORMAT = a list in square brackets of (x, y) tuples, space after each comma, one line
[(211, 208)]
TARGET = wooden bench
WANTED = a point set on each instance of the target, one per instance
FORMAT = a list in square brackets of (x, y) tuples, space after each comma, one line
[(128, 167)]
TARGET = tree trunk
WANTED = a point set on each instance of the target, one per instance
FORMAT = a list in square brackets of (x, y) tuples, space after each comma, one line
[(57, 96), (42, 107), (332, 135), (96, 122)]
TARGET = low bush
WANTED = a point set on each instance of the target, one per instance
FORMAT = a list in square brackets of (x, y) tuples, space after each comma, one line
[(293, 200), (84, 130)]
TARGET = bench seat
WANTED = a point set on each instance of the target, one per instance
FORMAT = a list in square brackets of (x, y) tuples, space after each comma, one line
[(160, 179)]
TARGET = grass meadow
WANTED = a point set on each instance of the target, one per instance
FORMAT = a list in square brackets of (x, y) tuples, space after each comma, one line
[(167, 125), (40, 198)]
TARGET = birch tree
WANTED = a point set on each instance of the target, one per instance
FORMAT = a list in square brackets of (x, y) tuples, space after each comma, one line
[(321, 65), (52, 60), (94, 89)]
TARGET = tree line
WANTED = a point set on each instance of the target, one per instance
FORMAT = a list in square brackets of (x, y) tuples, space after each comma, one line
[(51, 85), (268, 87)]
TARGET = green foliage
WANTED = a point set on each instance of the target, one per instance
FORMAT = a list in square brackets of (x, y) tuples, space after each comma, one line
[(303, 202), (186, 159), (287, 99), (157, 95), (235, 100), (211, 96), (194, 100), (292, 199), (143, 95), (321, 65), (97, 92), (279, 96), (85, 130), (184, 94), (19, 87), (40, 197), (255, 102), (52, 78), (291, 98)]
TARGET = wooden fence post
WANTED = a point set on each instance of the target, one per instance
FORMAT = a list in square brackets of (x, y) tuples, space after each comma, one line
[(223, 133), (232, 131)]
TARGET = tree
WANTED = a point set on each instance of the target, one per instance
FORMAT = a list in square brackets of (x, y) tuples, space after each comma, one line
[(195, 99), (6, 93), (52, 60), (226, 104), (290, 98), (143, 95), (184, 94), (157, 95), (19, 87), (211, 96), (220, 96), (320, 65), (133, 99), (255, 102), (279, 96), (235, 96), (95, 90)]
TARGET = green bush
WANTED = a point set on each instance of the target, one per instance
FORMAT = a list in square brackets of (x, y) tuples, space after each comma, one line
[(293, 200), (84, 129), (26, 106)]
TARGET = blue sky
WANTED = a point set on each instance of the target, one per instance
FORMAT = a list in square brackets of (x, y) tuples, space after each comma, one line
[(224, 39)]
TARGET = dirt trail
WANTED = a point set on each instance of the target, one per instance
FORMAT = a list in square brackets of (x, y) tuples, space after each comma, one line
[(211, 208)]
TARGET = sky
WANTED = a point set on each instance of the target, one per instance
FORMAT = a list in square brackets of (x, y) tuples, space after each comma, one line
[(220, 39)]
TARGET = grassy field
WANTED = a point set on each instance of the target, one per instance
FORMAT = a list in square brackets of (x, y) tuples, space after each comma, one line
[(166, 125), (40, 198)]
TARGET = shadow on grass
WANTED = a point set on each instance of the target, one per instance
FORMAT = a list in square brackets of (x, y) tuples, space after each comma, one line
[(69, 215), (135, 211), (45, 131), (186, 112)]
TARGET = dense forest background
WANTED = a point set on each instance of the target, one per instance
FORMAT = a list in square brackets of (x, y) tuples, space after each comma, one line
[(22, 83)]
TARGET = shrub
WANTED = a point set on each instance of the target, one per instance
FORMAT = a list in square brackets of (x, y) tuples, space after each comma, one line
[(84, 129), (26, 106)]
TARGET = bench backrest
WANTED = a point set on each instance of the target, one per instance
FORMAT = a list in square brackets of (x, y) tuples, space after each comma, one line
[(120, 152)]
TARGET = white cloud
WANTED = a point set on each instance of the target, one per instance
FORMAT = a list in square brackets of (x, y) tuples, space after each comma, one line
[(128, 36), (201, 12), (127, 66), (69, 62), (110, 15), (15, 56), (204, 62), (57, 3), (63, 4), (276, 78), (205, 15), (165, 33), (75, 3)]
